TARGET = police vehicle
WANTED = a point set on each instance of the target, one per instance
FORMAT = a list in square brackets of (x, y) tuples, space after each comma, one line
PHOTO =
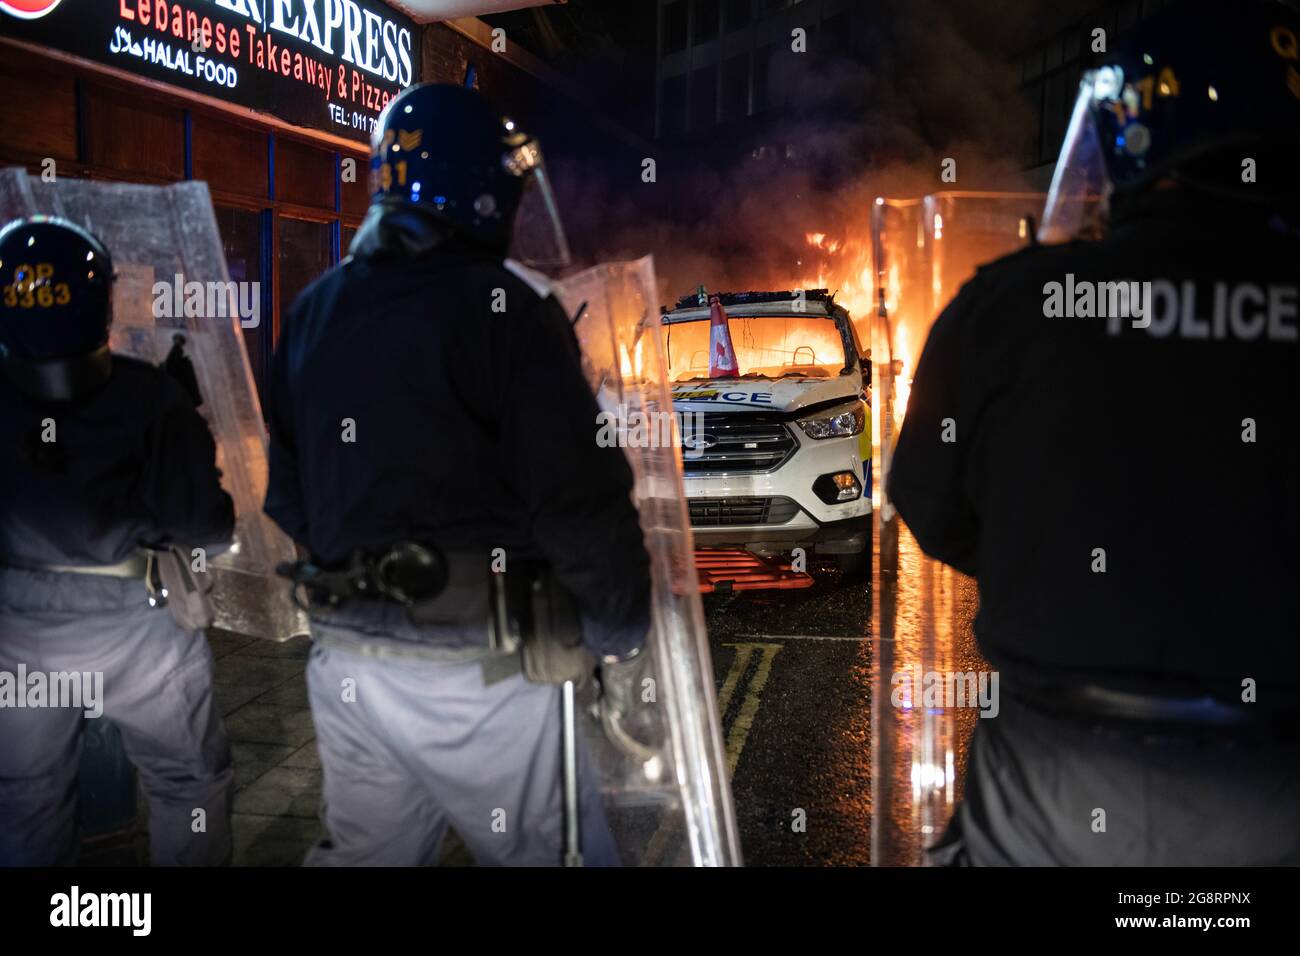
[(778, 456)]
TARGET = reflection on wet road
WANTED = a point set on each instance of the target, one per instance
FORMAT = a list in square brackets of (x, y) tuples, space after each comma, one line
[(825, 769)]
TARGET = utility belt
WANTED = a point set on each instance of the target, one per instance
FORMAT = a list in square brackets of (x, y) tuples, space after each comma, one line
[(1154, 713), (134, 566), (168, 579), (527, 619)]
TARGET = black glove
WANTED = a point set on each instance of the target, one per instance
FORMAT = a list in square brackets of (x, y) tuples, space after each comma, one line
[(178, 365)]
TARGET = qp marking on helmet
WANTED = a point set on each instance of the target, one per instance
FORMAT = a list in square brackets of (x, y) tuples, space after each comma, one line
[(32, 288)]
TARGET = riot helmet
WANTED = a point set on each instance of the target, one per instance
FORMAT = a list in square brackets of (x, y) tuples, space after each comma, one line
[(1203, 96), (55, 308), (441, 151)]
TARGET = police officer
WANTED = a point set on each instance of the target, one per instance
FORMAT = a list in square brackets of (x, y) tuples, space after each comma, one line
[(1126, 488), (431, 428), (99, 455)]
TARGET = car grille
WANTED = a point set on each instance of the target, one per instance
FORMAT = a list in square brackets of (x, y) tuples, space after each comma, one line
[(726, 512), (738, 444)]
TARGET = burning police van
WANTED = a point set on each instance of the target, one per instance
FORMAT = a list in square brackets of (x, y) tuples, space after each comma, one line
[(776, 445)]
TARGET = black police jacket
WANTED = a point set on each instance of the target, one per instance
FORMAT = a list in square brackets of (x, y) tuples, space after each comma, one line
[(405, 407), (1127, 495), (86, 482)]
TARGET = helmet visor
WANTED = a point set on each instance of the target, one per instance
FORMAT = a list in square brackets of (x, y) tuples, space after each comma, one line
[(537, 237), (1078, 199)]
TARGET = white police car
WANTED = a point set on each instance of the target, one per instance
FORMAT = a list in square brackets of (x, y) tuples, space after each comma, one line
[(778, 456)]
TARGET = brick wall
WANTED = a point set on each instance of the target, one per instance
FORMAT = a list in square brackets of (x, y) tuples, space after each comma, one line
[(447, 54)]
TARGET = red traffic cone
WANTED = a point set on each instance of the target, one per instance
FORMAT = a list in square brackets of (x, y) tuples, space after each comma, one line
[(722, 355)]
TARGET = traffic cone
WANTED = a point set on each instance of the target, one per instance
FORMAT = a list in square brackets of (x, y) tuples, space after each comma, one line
[(722, 355)]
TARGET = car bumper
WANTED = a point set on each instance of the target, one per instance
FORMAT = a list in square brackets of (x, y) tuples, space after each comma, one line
[(795, 515)]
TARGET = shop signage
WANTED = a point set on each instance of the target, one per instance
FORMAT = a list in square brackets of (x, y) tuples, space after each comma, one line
[(327, 64)]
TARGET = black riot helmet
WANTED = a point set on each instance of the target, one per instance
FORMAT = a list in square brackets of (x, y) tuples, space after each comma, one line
[(441, 151), (55, 308), (1205, 95)]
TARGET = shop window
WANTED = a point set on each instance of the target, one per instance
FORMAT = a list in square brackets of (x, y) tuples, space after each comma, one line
[(229, 158), (304, 175), (349, 233), (304, 255), (356, 195), (241, 241)]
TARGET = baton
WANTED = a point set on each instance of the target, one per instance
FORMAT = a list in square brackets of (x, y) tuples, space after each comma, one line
[(572, 847)]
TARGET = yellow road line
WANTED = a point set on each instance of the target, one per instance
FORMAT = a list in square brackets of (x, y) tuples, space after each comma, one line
[(740, 727), (739, 665)]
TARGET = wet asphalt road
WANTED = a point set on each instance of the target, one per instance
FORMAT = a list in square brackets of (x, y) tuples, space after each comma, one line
[(796, 674), (794, 684)]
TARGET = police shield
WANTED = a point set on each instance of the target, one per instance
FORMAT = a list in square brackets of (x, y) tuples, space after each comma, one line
[(923, 251), (663, 764), (172, 279)]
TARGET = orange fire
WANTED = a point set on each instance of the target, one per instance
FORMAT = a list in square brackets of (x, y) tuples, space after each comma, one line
[(844, 266), (903, 371)]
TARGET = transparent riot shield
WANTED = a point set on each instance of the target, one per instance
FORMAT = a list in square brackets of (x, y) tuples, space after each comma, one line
[(664, 773), (924, 250), (171, 278)]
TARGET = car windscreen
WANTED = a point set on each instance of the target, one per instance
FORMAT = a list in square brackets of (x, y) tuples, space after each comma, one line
[(771, 346)]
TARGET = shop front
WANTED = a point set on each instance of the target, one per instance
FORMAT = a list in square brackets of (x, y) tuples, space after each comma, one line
[(270, 102)]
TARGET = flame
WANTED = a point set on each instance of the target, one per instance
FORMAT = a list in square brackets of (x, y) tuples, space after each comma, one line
[(902, 355), (765, 345), (844, 265), (631, 365)]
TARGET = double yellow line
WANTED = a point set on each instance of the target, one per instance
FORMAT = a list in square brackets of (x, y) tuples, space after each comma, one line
[(738, 733)]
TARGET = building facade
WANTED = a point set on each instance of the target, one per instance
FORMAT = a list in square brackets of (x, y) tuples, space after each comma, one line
[(274, 114)]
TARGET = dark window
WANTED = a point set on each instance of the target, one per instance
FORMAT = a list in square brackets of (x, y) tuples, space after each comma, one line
[(706, 20), (674, 25), (304, 255), (1055, 115), (735, 87), (736, 14), (1033, 94), (704, 98), (1129, 14), (241, 241), (1053, 53), (834, 34), (1033, 65), (672, 105), (764, 97)]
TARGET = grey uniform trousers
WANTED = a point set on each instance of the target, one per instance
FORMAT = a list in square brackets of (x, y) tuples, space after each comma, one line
[(1044, 790), (412, 746), (157, 688)]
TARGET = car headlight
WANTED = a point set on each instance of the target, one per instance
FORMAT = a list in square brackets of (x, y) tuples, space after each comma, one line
[(840, 422)]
